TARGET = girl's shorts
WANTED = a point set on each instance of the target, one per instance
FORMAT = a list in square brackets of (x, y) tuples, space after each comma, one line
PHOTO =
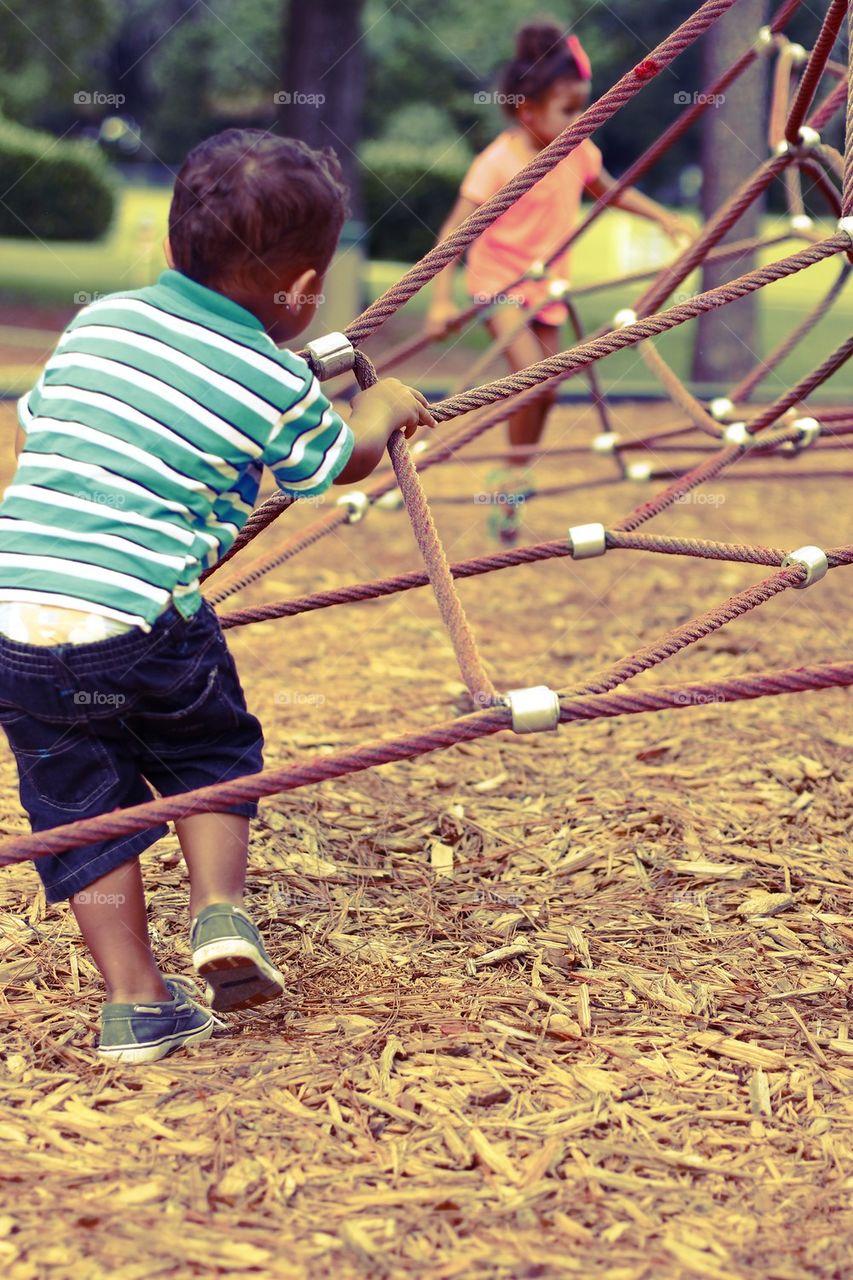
[(91, 725)]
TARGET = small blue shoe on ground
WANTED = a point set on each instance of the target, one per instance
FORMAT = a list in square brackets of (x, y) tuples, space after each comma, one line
[(229, 954), (147, 1032)]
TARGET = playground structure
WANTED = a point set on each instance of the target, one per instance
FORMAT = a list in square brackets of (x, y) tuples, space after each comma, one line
[(731, 428), (564, 1005)]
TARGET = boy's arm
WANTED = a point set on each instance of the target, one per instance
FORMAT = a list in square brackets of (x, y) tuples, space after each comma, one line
[(633, 201), (442, 308), (377, 413)]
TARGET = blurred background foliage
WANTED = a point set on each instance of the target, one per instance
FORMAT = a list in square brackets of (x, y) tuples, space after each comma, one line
[(184, 69)]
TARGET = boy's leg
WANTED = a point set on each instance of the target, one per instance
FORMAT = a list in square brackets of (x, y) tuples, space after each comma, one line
[(215, 847), (228, 952), (112, 919)]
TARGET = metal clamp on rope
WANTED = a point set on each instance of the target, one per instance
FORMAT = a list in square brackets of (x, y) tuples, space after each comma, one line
[(605, 442), (764, 40), (720, 408), (801, 222), (809, 429), (537, 270), (390, 501), (845, 227), (807, 137), (812, 559), (799, 54), (737, 433), (638, 471), (558, 289), (330, 355), (624, 317), (587, 540), (534, 710), (419, 447), (356, 503)]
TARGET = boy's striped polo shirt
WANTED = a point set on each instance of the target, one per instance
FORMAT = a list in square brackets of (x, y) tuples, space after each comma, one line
[(146, 437)]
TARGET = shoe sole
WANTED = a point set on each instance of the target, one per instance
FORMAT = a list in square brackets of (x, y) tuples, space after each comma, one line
[(136, 1053), (236, 974)]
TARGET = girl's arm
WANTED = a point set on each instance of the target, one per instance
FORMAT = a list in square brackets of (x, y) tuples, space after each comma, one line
[(442, 308), (633, 201)]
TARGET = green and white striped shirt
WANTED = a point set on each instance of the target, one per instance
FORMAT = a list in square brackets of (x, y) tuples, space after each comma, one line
[(146, 437)]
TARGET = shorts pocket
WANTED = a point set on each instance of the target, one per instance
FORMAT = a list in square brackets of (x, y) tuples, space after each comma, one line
[(185, 714), (70, 779)]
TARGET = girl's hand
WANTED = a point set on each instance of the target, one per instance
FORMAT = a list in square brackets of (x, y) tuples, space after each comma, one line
[(440, 318)]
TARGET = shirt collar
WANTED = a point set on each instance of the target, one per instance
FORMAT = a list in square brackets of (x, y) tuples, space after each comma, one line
[(208, 299)]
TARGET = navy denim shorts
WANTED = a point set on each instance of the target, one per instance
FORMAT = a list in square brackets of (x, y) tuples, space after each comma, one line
[(91, 725)]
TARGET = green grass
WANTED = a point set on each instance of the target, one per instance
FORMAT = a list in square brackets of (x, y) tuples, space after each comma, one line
[(131, 256)]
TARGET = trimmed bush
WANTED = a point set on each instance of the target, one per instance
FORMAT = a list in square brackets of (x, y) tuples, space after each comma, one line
[(408, 192), (54, 190)]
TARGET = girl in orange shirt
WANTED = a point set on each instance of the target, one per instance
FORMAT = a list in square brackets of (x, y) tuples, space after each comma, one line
[(543, 90)]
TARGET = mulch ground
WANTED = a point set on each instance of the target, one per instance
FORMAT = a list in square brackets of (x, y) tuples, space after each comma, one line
[(654, 1081)]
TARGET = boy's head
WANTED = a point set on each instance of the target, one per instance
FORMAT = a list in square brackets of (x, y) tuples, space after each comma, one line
[(257, 217)]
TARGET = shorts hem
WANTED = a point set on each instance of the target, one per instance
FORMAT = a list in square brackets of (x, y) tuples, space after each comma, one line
[(59, 889)]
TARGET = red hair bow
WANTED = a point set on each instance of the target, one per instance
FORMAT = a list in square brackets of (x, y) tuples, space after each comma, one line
[(583, 63)]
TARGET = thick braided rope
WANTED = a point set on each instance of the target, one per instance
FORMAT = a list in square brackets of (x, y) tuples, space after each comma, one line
[(750, 381), (482, 691), (798, 393), (815, 68), (698, 475), (714, 230), (616, 340), (261, 518), (375, 589), (677, 391), (368, 755), (690, 632), (592, 119)]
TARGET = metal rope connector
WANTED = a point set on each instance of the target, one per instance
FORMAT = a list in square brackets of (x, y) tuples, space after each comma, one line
[(587, 540), (537, 270), (737, 433), (356, 503), (798, 54), (720, 408), (557, 289), (330, 355), (807, 137), (605, 442), (638, 471), (419, 447), (625, 317), (845, 227), (765, 40), (534, 710), (812, 559), (390, 501), (809, 429), (801, 222)]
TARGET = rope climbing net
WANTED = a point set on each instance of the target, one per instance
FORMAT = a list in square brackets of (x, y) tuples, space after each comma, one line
[(732, 429)]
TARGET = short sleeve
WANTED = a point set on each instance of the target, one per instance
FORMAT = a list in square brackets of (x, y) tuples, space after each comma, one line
[(310, 444), (483, 178), (25, 412)]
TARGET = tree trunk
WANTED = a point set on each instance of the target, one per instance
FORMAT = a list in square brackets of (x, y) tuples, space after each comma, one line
[(734, 142), (323, 82)]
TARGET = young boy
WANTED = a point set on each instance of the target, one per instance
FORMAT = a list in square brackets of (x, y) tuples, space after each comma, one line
[(140, 452)]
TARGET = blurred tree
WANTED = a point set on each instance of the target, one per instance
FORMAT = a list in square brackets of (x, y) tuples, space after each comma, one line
[(734, 141), (48, 52), (322, 91)]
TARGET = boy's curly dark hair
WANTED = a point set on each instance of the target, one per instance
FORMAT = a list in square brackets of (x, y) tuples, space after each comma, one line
[(247, 203)]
